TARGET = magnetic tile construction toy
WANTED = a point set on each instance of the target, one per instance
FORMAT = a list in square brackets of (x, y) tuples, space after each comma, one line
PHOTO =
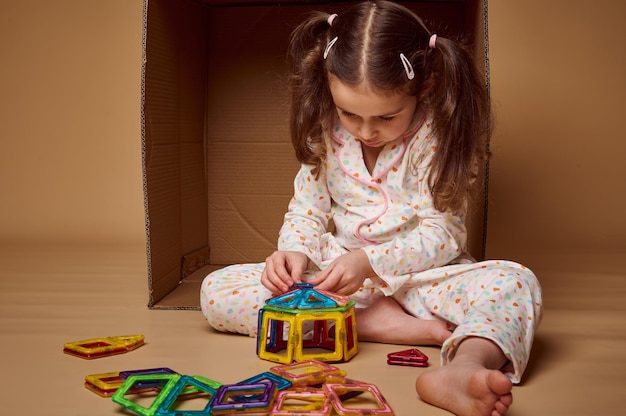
[(146, 384), (166, 381), (104, 384), (168, 389), (336, 391), (248, 399), (411, 357), (281, 383), (307, 373), (307, 324), (312, 402), (311, 388), (200, 385), (103, 347), (107, 383)]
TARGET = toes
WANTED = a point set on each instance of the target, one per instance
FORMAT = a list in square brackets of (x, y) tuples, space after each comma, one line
[(499, 383), (507, 399), (501, 408)]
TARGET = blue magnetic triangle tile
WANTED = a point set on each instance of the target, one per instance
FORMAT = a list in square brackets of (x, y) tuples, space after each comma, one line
[(303, 296)]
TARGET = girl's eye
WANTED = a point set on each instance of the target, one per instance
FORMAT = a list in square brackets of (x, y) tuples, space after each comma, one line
[(381, 118), (346, 114)]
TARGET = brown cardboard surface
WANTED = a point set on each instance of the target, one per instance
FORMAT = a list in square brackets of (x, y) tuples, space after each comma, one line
[(51, 295), (557, 189), (218, 161)]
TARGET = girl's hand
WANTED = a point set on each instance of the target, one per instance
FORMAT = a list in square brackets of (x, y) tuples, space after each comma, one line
[(345, 275), (282, 270)]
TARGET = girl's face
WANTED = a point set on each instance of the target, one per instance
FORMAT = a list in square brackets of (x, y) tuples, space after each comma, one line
[(372, 118)]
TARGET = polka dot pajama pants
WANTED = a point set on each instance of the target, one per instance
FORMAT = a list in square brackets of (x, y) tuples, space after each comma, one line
[(497, 300)]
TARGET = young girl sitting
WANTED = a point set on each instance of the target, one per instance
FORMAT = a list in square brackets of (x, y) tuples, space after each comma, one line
[(390, 123)]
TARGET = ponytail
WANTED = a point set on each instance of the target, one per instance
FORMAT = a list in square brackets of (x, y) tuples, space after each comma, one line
[(311, 101), (462, 122)]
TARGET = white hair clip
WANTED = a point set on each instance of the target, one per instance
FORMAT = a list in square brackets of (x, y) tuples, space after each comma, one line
[(330, 45), (408, 68)]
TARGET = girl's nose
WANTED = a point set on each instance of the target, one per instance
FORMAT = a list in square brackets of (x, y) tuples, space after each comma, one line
[(367, 131)]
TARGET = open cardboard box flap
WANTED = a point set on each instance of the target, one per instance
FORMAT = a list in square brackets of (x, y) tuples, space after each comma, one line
[(217, 159)]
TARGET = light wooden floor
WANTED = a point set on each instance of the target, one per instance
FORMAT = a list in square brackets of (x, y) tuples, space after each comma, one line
[(53, 295)]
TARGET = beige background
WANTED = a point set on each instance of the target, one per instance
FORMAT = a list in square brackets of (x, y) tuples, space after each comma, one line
[(558, 178), (70, 151), (70, 160)]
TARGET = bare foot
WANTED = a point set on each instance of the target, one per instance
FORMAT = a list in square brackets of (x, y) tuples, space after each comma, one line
[(385, 321), (466, 387)]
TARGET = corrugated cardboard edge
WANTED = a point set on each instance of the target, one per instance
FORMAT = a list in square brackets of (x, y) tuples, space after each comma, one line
[(144, 45), (488, 144)]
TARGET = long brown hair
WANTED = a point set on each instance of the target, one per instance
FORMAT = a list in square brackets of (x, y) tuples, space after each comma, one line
[(370, 38)]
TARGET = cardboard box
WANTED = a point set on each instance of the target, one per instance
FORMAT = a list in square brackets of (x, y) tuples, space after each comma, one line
[(217, 158)]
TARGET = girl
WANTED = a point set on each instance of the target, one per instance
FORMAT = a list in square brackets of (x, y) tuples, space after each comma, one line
[(389, 122)]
